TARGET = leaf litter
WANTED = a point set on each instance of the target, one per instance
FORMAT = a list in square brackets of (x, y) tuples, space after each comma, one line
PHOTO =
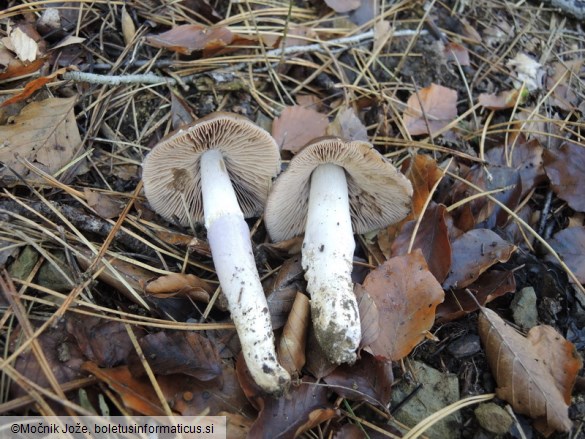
[(78, 145)]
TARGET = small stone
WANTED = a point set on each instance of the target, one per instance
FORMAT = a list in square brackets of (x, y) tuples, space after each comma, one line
[(524, 308), (493, 418), (465, 346)]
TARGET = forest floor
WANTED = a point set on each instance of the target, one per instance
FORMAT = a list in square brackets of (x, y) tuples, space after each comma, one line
[(107, 308)]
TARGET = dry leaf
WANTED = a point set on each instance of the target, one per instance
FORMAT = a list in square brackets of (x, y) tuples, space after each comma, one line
[(566, 73), (528, 72), (296, 126), (181, 112), (45, 133), (423, 173), (128, 27), (68, 41), (33, 86), (104, 205), (432, 238), (473, 253), (188, 38), (25, 48), (429, 110), (347, 126), (180, 284), (500, 101), (369, 316), (291, 347), (535, 374), (341, 6), (570, 245), (406, 295), (456, 52), (565, 167)]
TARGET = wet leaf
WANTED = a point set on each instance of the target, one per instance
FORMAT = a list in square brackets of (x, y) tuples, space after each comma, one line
[(369, 379), (177, 352), (473, 253), (432, 238), (348, 126), (500, 101), (423, 173), (535, 374), (341, 6), (565, 167), (188, 38), (487, 287), (291, 346), (570, 245), (45, 133), (429, 110), (180, 284), (406, 295), (103, 342), (296, 126)]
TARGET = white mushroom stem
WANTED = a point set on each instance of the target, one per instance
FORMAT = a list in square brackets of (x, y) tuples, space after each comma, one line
[(229, 240), (327, 260)]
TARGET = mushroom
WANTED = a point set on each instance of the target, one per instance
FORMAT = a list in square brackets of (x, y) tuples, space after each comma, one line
[(219, 170), (331, 190)]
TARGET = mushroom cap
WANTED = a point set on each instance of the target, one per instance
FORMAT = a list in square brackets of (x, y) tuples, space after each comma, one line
[(172, 181), (379, 195)]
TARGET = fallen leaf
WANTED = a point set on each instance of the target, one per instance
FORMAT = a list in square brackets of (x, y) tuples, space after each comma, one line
[(473, 253), (68, 41), (528, 72), (180, 284), (501, 101), (188, 38), (296, 126), (430, 110), (104, 342), (487, 287), (368, 379), (565, 167), (369, 316), (25, 47), (566, 73), (535, 374), (33, 86), (570, 245), (45, 133), (104, 205), (432, 238), (456, 52), (406, 295), (286, 284), (181, 112), (128, 27), (177, 352), (341, 6), (423, 172), (347, 126), (291, 346), (318, 365)]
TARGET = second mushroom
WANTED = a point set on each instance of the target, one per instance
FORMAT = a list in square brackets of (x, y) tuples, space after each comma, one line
[(331, 190), (219, 170)]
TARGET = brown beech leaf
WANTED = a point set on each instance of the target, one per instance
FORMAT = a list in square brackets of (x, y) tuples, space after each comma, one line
[(137, 395), (45, 133), (104, 342), (291, 347), (423, 173), (286, 284), (406, 295), (570, 245), (369, 316), (188, 38), (429, 110), (296, 126), (180, 284), (473, 253), (11, 66), (535, 374), (33, 86), (368, 379), (456, 52), (105, 205), (317, 363), (181, 112), (177, 352), (348, 126), (565, 168), (432, 238), (487, 287), (565, 73), (526, 157), (482, 209), (500, 101)]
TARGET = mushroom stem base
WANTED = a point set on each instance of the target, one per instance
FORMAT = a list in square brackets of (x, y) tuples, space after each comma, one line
[(328, 261)]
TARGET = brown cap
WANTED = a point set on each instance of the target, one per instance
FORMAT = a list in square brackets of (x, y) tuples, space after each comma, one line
[(379, 195), (171, 170)]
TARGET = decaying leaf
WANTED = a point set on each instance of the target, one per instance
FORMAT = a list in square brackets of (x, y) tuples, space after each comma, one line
[(570, 245), (473, 253), (104, 205), (177, 352), (535, 374), (128, 27), (500, 101), (565, 167), (33, 86), (24, 46), (566, 73), (430, 110), (406, 295), (348, 126), (369, 316), (369, 379), (180, 284), (291, 347), (423, 172), (181, 112), (45, 133), (457, 52), (432, 238), (188, 38), (296, 126), (528, 72)]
